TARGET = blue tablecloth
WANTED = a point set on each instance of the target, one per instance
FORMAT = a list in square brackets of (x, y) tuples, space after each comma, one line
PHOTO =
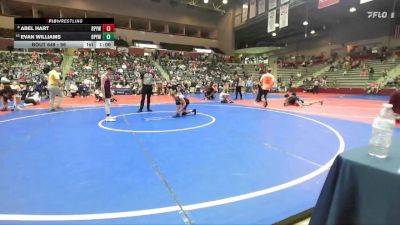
[(361, 189)]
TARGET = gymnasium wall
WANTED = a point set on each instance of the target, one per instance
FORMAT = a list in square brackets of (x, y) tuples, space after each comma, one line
[(225, 35), (168, 38), (7, 22), (335, 39)]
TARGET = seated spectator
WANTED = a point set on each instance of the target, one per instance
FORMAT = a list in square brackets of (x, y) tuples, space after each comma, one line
[(225, 97), (32, 97), (16, 95), (98, 95), (373, 88), (73, 89)]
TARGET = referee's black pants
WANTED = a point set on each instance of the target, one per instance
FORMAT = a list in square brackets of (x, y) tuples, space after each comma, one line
[(238, 90), (259, 93), (147, 90)]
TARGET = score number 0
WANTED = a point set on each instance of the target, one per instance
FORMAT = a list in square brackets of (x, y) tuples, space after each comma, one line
[(108, 27)]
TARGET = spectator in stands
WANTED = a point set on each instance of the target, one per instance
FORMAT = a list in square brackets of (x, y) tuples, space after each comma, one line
[(371, 73), (316, 86), (355, 64), (278, 79), (333, 66), (384, 73), (67, 85), (364, 70), (73, 89), (373, 88), (390, 82), (324, 80)]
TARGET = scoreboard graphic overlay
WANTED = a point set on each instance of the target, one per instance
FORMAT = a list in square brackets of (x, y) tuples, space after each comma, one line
[(64, 33)]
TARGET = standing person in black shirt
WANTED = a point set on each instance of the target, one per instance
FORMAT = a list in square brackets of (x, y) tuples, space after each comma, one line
[(147, 89)]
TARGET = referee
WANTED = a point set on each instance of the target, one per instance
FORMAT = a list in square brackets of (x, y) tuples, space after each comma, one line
[(147, 89)]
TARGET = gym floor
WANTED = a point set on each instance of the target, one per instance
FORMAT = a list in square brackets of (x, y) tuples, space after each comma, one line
[(229, 164)]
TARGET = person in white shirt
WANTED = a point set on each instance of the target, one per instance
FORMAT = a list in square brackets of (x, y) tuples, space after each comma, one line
[(73, 89), (224, 96), (98, 95), (32, 97)]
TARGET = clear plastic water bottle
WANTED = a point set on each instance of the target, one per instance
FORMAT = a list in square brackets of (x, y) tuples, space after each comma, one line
[(382, 132)]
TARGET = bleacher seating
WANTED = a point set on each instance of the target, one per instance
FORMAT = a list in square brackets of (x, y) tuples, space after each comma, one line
[(353, 79)]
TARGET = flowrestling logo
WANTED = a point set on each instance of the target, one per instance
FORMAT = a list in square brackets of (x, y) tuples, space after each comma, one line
[(378, 15)]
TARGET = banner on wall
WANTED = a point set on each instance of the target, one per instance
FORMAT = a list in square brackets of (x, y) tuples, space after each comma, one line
[(253, 7), (284, 1), (284, 16), (271, 20), (365, 1), (261, 7), (272, 4), (245, 10), (325, 3), (238, 20)]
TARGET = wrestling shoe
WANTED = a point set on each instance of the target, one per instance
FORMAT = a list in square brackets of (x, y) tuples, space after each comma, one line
[(322, 102), (149, 110), (110, 119), (265, 104), (194, 111), (140, 110)]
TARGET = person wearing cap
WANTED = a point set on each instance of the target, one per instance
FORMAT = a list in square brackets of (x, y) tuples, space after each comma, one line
[(54, 87), (147, 89), (267, 81)]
